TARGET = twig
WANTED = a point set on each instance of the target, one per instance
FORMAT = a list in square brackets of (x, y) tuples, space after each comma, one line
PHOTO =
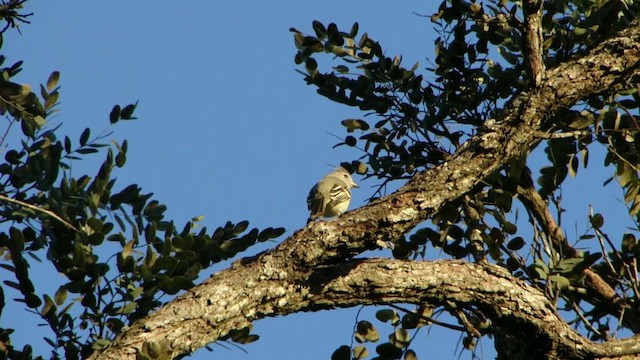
[(586, 322), (38, 209), (429, 319), (561, 135), (467, 324)]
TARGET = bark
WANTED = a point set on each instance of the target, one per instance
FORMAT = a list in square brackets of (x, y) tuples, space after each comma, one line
[(533, 40), (301, 273)]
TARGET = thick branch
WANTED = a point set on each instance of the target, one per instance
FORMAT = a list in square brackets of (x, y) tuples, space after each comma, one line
[(533, 40), (513, 306), (275, 282)]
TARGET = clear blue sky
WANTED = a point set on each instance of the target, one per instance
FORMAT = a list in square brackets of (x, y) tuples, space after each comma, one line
[(227, 129)]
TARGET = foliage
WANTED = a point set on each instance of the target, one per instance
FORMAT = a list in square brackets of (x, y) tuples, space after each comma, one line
[(119, 255), (417, 120), (112, 244)]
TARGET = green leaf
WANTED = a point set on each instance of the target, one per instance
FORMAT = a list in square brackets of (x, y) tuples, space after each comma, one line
[(114, 116), (32, 300), (573, 165), (354, 30), (360, 352), (516, 243), (401, 338), (341, 69), (629, 243), (127, 309), (353, 124), (61, 295), (502, 198), (389, 351), (567, 265), (540, 269), (321, 31), (410, 354), (48, 308), (365, 331), (127, 112), (240, 227), (270, 233), (597, 220), (559, 281), (386, 315), (17, 239), (342, 353), (52, 82), (84, 137), (373, 137)]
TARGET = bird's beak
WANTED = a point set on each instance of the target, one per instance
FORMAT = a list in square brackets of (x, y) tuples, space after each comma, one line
[(355, 185)]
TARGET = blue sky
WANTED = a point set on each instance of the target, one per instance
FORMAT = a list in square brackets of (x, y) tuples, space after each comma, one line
[(227, 129)]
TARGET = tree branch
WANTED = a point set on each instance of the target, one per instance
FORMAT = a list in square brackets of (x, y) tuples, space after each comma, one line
[(288, 278), (536, 204), (533, 40), (513, 306), (40, 210)]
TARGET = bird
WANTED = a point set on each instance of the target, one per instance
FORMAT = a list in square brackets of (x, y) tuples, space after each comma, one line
[(330, 196)]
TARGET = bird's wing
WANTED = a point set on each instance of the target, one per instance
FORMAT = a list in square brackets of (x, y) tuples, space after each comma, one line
[(315, 202), (339, 193)]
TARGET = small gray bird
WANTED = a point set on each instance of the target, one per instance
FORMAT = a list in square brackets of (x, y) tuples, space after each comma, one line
[(331, 195)]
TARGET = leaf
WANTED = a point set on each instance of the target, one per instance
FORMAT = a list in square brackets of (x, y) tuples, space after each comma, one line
[(502, 198), (360, 352), (540, 269), (127, 309), (114, 116), (365, 331), (342, 353), (516, 243), (388, 351), (410, 355), (469, 342), (373, 137), (334, 35), (386, 315), (127, 112), (354, 30), (559, 281), (584, 153), (597, 220), (128, 248), (84, 137), (629, 243), (567, 265), (311, 65), (17, 239), (48, 307), (321, 31), (67, 144), (341, 69), (353, 124), (270, 233), (52, 82), (573, 165), (61, 295)]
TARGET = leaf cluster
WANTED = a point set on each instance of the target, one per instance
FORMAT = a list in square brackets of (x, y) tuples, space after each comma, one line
[(116, 252), (415, 118)]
